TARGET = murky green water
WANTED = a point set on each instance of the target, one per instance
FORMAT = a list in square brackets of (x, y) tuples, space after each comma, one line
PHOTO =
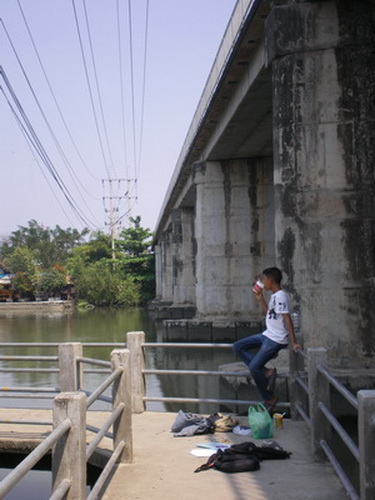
[(106, 325), (97, 325)]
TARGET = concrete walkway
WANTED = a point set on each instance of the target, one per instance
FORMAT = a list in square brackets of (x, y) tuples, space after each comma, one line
[(163, 468)]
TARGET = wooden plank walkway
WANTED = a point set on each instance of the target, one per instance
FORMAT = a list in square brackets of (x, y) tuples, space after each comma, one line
[(163, 468)]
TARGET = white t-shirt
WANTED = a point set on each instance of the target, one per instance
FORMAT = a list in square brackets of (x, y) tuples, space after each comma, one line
[(277, 306)]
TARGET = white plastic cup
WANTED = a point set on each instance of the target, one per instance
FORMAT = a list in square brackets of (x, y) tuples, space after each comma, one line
[(258, 286)]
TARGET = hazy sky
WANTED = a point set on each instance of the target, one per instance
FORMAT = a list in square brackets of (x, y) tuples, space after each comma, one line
[(97, 140)]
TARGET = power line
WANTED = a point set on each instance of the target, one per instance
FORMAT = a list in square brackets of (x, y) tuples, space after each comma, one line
[(28, 140), (54, 138), (132, 82), (89, 87), (36, 143), (138, 167), (98, 86), (53, 94), (121, 87)]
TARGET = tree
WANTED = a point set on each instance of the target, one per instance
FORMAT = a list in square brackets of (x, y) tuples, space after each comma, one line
[(135, 240), (102, 285), (23, 264), (98, 247), (50, 246), (51, 281), (138, 260)]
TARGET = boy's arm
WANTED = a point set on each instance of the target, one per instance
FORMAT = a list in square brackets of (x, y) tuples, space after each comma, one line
[(290, 327)]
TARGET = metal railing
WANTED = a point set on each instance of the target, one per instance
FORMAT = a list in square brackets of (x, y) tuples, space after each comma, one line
[(137, 346), (70, 421), (312, 401), (39, 392), (309, 388)]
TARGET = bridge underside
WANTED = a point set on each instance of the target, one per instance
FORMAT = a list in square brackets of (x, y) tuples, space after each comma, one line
[(278, 169)]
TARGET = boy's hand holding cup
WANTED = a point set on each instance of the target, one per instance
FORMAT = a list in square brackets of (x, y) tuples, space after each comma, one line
[(257, 287)]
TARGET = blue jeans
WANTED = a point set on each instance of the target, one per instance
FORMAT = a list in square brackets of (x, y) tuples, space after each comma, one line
[(268, 349)]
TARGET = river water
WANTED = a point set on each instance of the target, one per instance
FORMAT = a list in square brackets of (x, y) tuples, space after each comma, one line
[(108, 325), (101, 325)]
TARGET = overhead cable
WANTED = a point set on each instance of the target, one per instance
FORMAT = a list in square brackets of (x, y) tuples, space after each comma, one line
[(122, 88), (98, 87), (138, 166), (36, 143), (132, 83), (54, 138), (89, 89), (53, 94)]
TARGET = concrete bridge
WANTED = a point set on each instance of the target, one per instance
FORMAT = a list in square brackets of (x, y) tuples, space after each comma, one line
[(278, 169)]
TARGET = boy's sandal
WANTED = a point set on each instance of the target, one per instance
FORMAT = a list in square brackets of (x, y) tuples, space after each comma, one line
[(270, 406)]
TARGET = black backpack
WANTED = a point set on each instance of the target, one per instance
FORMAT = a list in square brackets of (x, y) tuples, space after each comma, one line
[(244, 457)]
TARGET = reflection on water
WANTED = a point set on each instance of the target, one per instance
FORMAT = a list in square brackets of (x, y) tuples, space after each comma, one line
[(108, 325), (96, 325)]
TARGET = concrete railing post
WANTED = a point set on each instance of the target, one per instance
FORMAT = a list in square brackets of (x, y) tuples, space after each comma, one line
[(134, 342), (71, 372), (366, 440), (318, 393), (296, 393), (69, 454), (122, 429)]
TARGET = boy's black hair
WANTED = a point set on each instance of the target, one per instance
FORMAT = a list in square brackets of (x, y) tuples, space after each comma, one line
[(274, 273)]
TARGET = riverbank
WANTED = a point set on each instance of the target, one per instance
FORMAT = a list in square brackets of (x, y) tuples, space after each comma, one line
[(45, 306)]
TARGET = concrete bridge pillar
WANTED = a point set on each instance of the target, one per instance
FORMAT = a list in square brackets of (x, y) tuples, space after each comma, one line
[(229, 232), (175, 260), (183, 256), (164, 267), (323, 73)]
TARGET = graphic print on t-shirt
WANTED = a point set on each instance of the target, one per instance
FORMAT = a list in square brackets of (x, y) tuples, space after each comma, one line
[(272, 314), (277, 307)]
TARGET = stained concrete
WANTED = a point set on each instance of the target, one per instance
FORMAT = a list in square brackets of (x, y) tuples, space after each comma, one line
[(277, 169), (163, 468)]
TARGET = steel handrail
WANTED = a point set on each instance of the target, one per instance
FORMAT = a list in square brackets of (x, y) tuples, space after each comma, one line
[(302, 384), (57, 344), (29, 358), (187, 345), (103, 430), (92, 361), (33, 458), (340, 430), (115, 374), (337, 385), (61, 490), (100, 482), (339, 471), (206, 400)]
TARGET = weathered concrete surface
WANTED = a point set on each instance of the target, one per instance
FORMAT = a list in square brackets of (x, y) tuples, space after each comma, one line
[(37, 307), (278, 169), (163, 468), (323, 170)]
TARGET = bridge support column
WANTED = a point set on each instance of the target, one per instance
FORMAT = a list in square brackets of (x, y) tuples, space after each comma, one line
[(228, 243), (324, 148), (184, 256)]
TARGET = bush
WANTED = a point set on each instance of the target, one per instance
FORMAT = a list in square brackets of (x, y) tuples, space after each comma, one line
[(101, 285)]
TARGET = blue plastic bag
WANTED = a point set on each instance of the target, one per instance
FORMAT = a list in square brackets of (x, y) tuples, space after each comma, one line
[(260, 422)]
